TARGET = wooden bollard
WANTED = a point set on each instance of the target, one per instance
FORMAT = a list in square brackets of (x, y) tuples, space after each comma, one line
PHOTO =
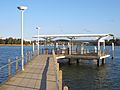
[(16, 64), (65, 88), (60, 80), (57, 70), (9, 69)]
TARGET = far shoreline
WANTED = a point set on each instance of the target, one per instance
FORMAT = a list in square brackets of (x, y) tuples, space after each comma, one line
[(30, 45), (13, 45)]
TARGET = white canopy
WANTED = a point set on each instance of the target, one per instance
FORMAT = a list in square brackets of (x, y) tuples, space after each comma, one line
[(71, 35)]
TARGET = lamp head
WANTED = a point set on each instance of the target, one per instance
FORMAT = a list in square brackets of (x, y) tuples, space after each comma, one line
[(37, 27), (22, 8)]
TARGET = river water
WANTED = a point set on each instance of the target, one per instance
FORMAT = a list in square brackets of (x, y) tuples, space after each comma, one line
[(10, 52), (83, 76), (87, 76)]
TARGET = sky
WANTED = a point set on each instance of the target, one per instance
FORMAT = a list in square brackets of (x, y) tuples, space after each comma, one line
[(60, 17)]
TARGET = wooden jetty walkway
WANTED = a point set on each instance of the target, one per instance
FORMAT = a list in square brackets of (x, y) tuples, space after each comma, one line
[(38, 75)]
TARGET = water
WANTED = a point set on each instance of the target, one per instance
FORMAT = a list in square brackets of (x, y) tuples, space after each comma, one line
[(11, 52), (87, 76), (82, 76)]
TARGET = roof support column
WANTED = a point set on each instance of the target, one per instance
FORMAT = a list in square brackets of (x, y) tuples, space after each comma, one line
[(98, 48), (104, 47), (71, 45)]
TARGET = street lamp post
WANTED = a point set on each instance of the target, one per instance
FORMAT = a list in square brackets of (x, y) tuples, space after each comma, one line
[(22, 9), (38, 28)]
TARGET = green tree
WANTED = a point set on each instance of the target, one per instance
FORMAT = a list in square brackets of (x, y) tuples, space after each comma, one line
[(10, 40), (1, 41)]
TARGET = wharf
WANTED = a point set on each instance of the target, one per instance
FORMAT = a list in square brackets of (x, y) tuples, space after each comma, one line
[(38, 75), (84, 57), (87, 56)]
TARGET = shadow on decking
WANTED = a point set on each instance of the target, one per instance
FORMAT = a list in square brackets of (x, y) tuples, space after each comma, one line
[(44, 76)]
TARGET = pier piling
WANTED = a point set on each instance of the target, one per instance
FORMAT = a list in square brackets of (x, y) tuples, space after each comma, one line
[(98, 62), (113, 48), (77, 61), (69, 60), (103, 61)]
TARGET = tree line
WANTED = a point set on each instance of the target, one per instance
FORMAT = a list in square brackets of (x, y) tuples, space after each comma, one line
[(115, 41), (11, 41)]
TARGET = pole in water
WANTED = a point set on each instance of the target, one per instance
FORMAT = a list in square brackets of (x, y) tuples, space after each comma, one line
[(113, 49), (33, 48)]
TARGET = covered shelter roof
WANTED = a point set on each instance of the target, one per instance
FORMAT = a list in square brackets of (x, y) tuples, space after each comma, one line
[(71, 36)]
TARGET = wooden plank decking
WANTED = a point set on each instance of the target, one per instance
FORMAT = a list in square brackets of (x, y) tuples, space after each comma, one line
[(38, 75)]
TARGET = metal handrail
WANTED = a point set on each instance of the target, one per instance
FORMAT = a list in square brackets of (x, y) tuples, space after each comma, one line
[(19, 59), (3, 66), (10, 64)]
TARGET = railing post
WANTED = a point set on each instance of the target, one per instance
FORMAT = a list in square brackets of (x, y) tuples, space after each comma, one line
[(26, 58), (60, 80), (9, 69), (16, 64), (65, 88), (45, 51), (30, 55)]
